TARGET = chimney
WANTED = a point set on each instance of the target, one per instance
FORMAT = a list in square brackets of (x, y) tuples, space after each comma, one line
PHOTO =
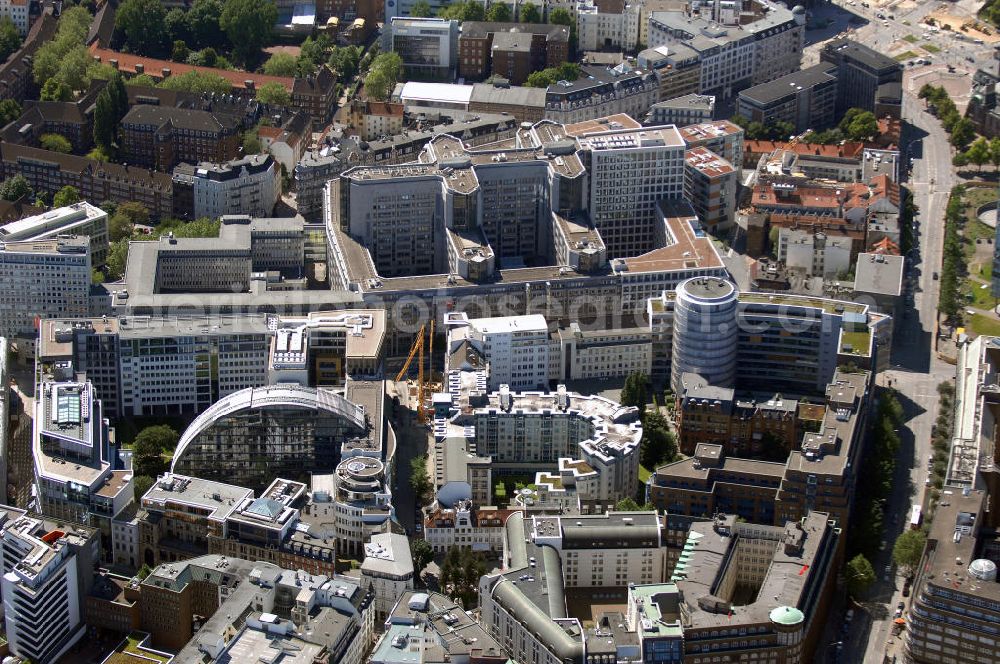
[(165, 72), (140, 68)]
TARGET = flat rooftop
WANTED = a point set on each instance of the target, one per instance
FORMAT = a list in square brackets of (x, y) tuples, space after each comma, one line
[(630, 139), (790, 84), (215, 499), (879, 273), (688, 246)]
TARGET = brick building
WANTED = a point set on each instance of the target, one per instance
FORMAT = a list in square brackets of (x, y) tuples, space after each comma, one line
[(511, 50), (159, 137)]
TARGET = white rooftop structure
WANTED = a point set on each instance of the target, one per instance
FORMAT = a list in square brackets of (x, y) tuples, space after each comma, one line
[(415, 92)]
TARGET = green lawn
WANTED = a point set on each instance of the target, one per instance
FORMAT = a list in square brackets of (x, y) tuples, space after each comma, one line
[(857, 340), (905, 55), (930, 48), (644, 474), (986, 271), (911, 38), (981, 324), (982, 298)]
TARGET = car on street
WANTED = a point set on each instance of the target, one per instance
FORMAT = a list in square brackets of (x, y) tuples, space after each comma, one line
[(935, 275), (899, 613)]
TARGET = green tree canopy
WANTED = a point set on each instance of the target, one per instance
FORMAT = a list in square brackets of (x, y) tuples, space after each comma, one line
[(10, 110), (177, 27), (274, 93), (251, 142), (979, 152), (119, 227), (149, 447), (281, 64), (142, 26), (635, 391), (422, 555), (460, 574), (529, 13), (15, 188), (345, 61), (203, 23), (141, 484), (105, 124), (862, 127), (248, 24), (142, 80), (908, 549), (385, 71), (962, 132), (470, 10), (859, 575), (421, 9), (658, 444), (10, 40), (66, 196), (500, 12), (196, 81), (55, 143), (420, 480)]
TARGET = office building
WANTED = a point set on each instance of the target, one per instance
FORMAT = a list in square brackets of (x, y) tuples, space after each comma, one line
[(250, 186), (606, 25), (286, 430), (721, 137), (77, 219), (427, 46), (601, 353), (710, 184), (804, 99), (438, 629), (788, 573), (705, 318), (47, 570), (42, 279), (510, 50), (684, 110), (678, 70), (357, 499), (524, 104), (600, 92), (551, 559), (515, 347), (861, 71), (78, 474), (159, 137), (956, 599), (387, 570)]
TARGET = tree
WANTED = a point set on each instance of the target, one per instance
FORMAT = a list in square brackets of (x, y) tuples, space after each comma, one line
[(274, 93), (908, 549), (148, 449), (530, 14), (180, 52), (142, 24), (385, 70), (500, 12), (960, 160), (10, 40), (142, 80), (119, 227), (658, 444), (203, 23), (862, 127), (15, 188), (421, 9), (248, 25), (995, 152), (281, 64), (196, 81), (105, 124), (470, 10), (460, 574), (979, 152), (422, 555), (53, 90), (75, 67), (859, 575), (117, 259), (962, 132), (345, 61), (71, 32), (141, 484), (177, 27), (55, 143), (420, 480), (66, 196), (560, 16), (135, 212), (251, 142), (634, 391), (10, 110), (627, 505)]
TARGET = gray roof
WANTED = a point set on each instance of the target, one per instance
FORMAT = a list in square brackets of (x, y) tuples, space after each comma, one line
[(859, 52), (791, 84), (879, 274), (480, 29), (692, 101), (195, 120)]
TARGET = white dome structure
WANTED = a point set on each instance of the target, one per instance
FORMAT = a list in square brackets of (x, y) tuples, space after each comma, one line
[(983, 569)]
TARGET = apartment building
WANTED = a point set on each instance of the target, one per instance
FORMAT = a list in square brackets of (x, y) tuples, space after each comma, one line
[(74, 120), (42, 279), (956, 598), (710, 184), (804, 99), (47, 573), (250, 186), (789, 571), (510, 50), (159, 137), (78, 219), (550, 558), (387, 570), (427, 46), (465, 525), (515, 347), (16, 78), (48, 171), (17, 11), (606, 25), (861, 71), (684, 110), (602, 91), (678, 70)]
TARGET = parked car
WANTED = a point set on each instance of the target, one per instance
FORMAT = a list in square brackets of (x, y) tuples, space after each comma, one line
[(935, 275)]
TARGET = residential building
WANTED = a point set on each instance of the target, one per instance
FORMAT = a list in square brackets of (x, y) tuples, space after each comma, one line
[(789, 572), (47, 573), (606, 25), (956, 599), (678, 69), (710, 184), (427, 46), (17, 12), (17, 81), (48, 171), (685, 110), (510, 50), (72, 120), (515, 347), (375, 119), (42, 279), (287, 143), (78, 219), (602, 91), (861, 71), (804, 99), (437, 628), (387, 570), (464, 524), (840, 163), (296, 429), (549, 559), (159, 137), (250, 185)]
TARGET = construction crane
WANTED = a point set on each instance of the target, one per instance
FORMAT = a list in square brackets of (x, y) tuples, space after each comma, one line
[(417, 349)]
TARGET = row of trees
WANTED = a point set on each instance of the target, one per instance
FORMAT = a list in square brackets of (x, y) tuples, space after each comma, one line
[(980, 153), (244, 26), (961, 129), (10, 40), (856, 125), (953, 258), (63, 65)]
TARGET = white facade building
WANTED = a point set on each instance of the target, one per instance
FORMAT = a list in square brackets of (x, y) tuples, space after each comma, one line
[(250, 186), (78, 219), (17, 10), (427, 46), (516, 347), (817, 254), (387, 569)]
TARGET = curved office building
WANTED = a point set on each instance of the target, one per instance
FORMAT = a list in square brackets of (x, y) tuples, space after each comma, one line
[(705, 332), (252, 436)]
